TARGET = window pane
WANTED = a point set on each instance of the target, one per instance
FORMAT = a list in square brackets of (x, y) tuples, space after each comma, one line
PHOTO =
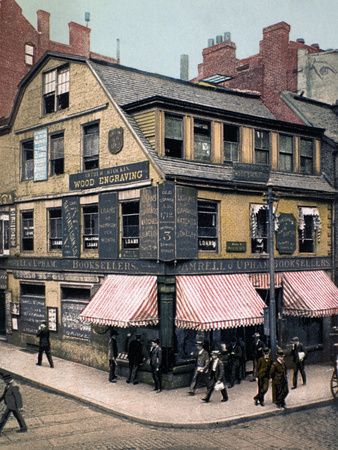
[(173, 127), (91, 140), (130, 224), (261, 157), (49, 82), (63, 81), (91, 226), (306, 148), (285, 144), (262, 139), (56, 144), (285, 162), (207, 226)]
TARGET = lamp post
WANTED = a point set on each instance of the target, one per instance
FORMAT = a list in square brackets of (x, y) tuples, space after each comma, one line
[(271, 249)]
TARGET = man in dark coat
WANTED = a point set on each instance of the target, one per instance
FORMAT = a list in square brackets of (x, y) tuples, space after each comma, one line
[(44, 344), (243, 359), (156, 363), (278, 374), (235, 355), (257, 352), (135, 358), (215, 376), (13, 401), (112, 355), (298, 357), (201, 368), (263, 373)]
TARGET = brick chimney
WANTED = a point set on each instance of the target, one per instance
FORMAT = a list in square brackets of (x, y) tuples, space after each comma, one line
[(218, 59), (79, 39), (43, 30)]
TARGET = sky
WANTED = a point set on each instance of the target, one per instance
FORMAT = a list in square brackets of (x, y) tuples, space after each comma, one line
[(154, 33)]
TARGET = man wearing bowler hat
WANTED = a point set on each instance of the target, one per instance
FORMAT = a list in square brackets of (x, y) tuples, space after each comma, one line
[(298, 356), (112, 355), (201, 368), (13, 401), (263, 373), (278, 374), (44, 344), (216, 379)]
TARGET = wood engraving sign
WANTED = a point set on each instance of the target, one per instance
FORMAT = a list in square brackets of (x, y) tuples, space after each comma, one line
[(149, 223), (115, 140), (72, 326), (286, 241), (186, 223), (71, 227), (108, 226), (33, 312)]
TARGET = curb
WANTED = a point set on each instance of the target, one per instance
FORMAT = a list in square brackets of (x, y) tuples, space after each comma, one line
[(158, 424)]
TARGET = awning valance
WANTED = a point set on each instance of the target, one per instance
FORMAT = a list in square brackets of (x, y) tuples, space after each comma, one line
[(211, 302), (262, 280), (309, 294), (124, 301)]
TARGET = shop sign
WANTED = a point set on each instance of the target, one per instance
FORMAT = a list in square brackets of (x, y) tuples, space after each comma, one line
[(52, 318), (116, 175), (40, 155), (251, 172), (235, 247), (55, 276), (3, 279), (33, 312), (12, 226), (71, 227), (108, 225), (115, 140), (286, 235)]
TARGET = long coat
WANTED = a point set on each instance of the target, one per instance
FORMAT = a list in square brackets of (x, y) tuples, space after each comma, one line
[(112, 348), (43, 335), (12, 398), (278, 374), (217, 374), (156, 357), (135, 352)]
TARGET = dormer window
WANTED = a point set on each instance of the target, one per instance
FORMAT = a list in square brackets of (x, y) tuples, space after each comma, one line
[(231, 143), (202, 140), (56, 90), (262, 147), (173, 141), (306, 156)]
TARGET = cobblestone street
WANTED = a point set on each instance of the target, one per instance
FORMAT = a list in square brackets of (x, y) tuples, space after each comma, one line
[(57, 422)]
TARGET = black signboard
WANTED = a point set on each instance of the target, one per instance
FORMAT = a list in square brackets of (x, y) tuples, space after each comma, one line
[(149, 223), (167, 239), (251, 172), (3, 279), (108, 226), (33, 312), (235, 247), (72, 326), (286, 241), (71, 227), (130, 173), (115, 140), (186, 223), (12, 226)]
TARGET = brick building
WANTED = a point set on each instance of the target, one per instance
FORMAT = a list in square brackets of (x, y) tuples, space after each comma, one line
[(26, 44)]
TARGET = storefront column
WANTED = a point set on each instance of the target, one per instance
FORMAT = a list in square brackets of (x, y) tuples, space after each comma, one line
[(166, 291)]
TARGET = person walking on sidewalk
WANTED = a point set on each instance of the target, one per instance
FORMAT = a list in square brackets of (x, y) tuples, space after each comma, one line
[(278, 374), (216, 380), (257, 352), (263, 373), (201, 368), (242, 369), (235, 355), (156, 363), (44, 344), (112, 355), (298, 357), (135, 358), (13, 401)]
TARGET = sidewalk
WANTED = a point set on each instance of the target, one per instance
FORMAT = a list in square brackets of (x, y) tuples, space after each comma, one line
[(172, 408)]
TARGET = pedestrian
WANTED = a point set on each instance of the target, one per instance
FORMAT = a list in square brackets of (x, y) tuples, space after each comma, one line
[(224, 357), (235, 355), (242, 362), (201, 368), (155, 364), (13, 401), (216, 379), (44, 344), (263, 373), (278, 374), (257, 352), (135, 358), (298, 357), (112, 355)]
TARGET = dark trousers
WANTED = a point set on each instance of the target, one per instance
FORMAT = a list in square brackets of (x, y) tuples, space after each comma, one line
[(235, 372), (48, 354), (254, 368), (211, 388), (157, 378), (133, 369), (198, 376), (299, 367), (242, 369), (112, 368), (280, 393), (263, 386), (16, 414)]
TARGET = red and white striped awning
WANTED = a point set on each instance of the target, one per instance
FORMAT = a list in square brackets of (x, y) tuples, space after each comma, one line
[(212, 302), (262, 280), (124, 301), (309, 294)]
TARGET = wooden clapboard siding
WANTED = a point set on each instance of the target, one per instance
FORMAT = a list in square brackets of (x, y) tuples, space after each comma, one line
[(147, 123)]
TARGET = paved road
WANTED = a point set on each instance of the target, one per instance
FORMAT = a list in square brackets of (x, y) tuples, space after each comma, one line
[(60, 423)]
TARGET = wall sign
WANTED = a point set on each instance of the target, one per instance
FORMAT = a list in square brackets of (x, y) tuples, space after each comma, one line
[(235, 247), (71, 227), (3, 279), (72, 326), (52, 319), (7, 198), (251, 172), (149, 223), (166, 216), (286, 241), (186, 223), (15, 308), (12, 226), (115, 140), (40, 155), (33, 312), (130, 173), (108, 226)]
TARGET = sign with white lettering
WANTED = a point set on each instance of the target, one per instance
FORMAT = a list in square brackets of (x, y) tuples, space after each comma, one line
[(251, 172), (72, 326), (167, 238), (52, 318), (286, 241), (108, 226), (3, 279), (186, 223), (71, 227), (33, 312), (40, 155), (149, 223), (12, 226)]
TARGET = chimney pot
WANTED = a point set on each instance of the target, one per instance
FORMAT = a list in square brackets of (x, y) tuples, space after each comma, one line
[(219, 39), (211, 42), (315, 46), (227, 36), (300, 41)]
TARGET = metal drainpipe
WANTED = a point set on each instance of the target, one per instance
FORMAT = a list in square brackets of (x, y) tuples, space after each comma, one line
[(271, 248)]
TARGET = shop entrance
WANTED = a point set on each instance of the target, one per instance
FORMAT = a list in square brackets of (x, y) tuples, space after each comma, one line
[(2, 313)]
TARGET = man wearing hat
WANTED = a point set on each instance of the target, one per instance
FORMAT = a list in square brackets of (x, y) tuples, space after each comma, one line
[(112, 355), (135, 358), (216, 377), (298, 356), (279, 378), (263, 373), (201, 368), (235, 356), (156, 363), (44, 344), (13, 401), (257, 352)]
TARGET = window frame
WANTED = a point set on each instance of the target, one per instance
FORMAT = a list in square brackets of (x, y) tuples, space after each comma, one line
[(125, 245), (261, 149), (50, 238), (4, 234), (200, 237), (172, 139), (93, 229), (55, 162), (302, 157), (201, 141), (284, 154), (56, 100), (24, 176), (25, 240), (259, 247), (29, 55), (238, 128), (94, 158)]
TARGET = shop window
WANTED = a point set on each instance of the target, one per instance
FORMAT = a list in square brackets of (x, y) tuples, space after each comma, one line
[(130, 224), (57, 154), (259, 228), (55, 229), (306, 156), (202, 140), (90, 227), (29, 54), (173, 141), (262, 147), (4, 234), (27, 231), (231, 143), (309, 229), (27, 152), (285, 153), (91, 138), (56, 90), (207, 226)]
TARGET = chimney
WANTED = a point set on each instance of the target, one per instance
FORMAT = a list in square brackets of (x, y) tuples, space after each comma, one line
[(316, 46), (211, 42), (300, 41), (218, 59), (184, 68), (79, 39), (43, 29), (219, 39)]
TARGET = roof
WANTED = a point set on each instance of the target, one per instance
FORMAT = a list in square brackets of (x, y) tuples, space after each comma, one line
[(314, 113)]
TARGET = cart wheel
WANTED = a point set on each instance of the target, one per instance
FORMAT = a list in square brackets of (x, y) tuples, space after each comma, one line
[(334, 385)]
